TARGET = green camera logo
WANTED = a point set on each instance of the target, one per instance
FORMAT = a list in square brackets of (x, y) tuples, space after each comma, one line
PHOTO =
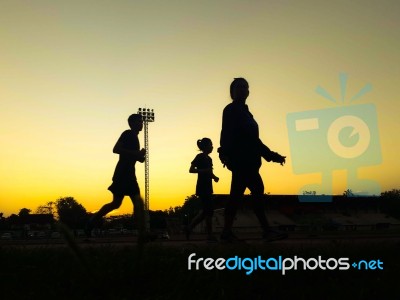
[(344, 137)]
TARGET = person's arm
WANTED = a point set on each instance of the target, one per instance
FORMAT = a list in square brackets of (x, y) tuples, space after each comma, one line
[(120, 148), (228, 129), (194, 169), (227, 135), (216, 179), (269, 155)]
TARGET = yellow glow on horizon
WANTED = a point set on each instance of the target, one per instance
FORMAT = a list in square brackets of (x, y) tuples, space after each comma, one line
[(72, 73)]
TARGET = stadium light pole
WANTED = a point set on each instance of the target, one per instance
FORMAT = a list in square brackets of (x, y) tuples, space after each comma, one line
[(148, 116)]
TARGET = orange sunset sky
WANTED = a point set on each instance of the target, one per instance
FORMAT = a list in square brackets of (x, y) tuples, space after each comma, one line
[(71, 72)]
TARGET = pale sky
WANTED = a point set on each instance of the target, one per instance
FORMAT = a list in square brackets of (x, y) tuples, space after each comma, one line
[(71, 72)]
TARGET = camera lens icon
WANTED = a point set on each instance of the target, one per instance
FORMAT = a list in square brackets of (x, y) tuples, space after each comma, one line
[(344, 130), (338, 138)]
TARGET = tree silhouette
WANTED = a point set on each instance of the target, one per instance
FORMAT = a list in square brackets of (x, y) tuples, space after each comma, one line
[(2, 221), (348, 193), (191, 206), (48, 208), (24, 212), (71, 213), (390, 202)]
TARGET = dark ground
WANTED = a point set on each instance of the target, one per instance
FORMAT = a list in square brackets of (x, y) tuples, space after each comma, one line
[(116, 268)]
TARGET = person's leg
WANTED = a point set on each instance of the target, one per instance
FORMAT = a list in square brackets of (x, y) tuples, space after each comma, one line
[(196, 220), (199, 217), (256, 187), (208, 207), (144, 235), (114, 204), (206, 213), (138, 213), (238, 186)]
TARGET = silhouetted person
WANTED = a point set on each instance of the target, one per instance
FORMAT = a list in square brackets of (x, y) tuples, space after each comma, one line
[(203, 166), (124, 179), (241, 151)]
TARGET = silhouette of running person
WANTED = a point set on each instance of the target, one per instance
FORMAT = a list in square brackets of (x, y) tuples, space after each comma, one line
[(124, 181), (203, 166), (241, 151)]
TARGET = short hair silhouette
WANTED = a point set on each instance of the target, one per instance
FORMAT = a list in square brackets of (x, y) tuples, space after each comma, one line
[(134, 117), (235, 82)]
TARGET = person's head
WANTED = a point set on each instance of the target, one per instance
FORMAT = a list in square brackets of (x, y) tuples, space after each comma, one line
[(239, 89), (135, 122), (205, 145)]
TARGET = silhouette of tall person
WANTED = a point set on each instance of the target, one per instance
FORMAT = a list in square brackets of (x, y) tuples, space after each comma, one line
[(241, 151), (124, 181)]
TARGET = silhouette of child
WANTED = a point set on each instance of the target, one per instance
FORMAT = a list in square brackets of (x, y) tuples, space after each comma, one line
[(124, 178), (202, 165)]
